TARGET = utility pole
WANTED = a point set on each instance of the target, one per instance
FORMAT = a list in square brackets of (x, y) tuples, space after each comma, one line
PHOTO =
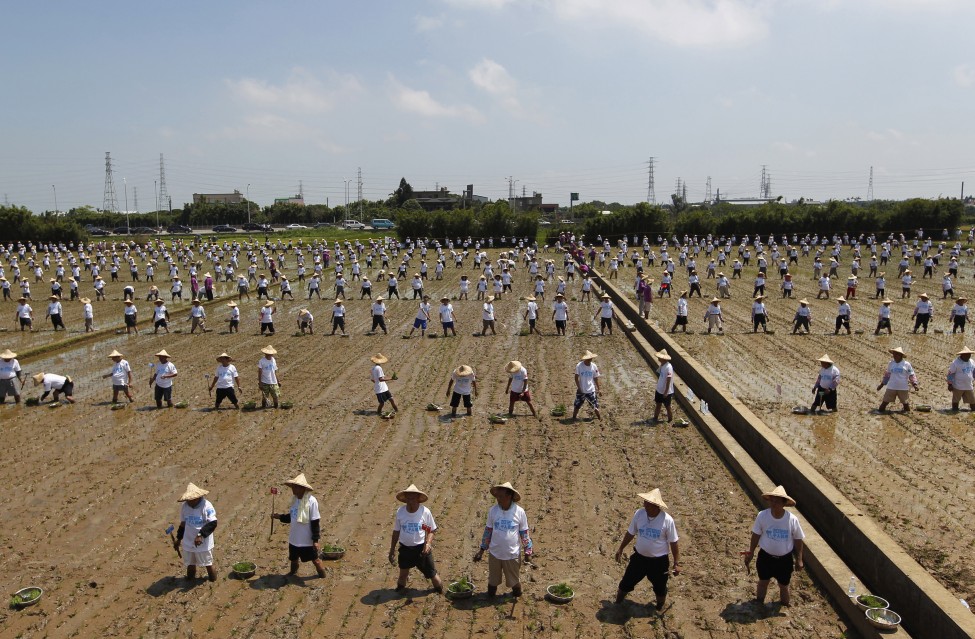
[(155, 194), (55, 199), (135, 199), (870, 187), (125, 185), (707, 191), (651, 194), (359, 198), (248, 198), (110, 199), (163, 193)]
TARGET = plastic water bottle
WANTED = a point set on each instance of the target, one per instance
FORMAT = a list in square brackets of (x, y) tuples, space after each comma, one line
[(690, 395), (852, 590), (704, 407), (965, 603)]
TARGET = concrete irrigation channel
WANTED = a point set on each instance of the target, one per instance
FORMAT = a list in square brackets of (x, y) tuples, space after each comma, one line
[(846, 541)]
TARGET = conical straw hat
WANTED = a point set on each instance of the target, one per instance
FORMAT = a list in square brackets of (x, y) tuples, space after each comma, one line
[(192, 492)]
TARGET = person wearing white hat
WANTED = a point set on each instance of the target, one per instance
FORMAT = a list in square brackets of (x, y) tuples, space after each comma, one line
[(487, 316), (163, 374), (898, 378), (560, 314), (198, 317), (379, 315), (802, 317), (825, 386), (843, 314), (422, 317), (306, 321), (464, 385), (517, 387), (197, 521), (267, 377), (130, 316), (713, 317), (778, 535), (959, 315), (505, 533), (447, 316), (760, 314), (266, 317), (25, 315), (922, 313), (960, 380), (663, 394), (224, 379), (606, 314), (305, 521), (656, 538), (57, 384), (338, 317), (883, 318), (121, 375), (234, 318), (379, 385), (587, 384), (413, 531), (10, 374), (906, 281)]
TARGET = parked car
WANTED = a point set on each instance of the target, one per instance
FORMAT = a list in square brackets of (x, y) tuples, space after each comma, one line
[(224, 228), (353, 225), (94, 230), (324, 225), (381, 223), (143, 230), (252, 226), (544, 223), (121, 230), (178, 228), (565, 222), (296, 226)]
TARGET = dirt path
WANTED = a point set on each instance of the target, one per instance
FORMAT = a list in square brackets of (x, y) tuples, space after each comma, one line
[(96, 489)]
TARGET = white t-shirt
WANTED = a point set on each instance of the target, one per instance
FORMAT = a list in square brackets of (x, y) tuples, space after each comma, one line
[(195, 518), (829, 378), (269, 370), (587, 376), (88, 311), (9, 370), (378, 308), (505, 527), (300, 534), (120, 373), (423, 311), (960, 374), (164, 369), (900, 375), (266, 315), (606, 309), (378, 385), (653, 536), (777, 535), (159, 313), (532, 311), (53, 382), (518, 380), (446, 312), (561, 311), (665, 386), (413, 527), (488, 312), (225, 376), (463, 385)]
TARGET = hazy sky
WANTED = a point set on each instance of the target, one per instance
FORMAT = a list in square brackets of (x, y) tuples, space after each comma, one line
[(560, 95)]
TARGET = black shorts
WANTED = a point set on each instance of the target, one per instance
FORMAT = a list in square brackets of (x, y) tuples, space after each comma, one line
[(130, 320), (455, 400), (302, 553), (660, 398), (606, 322), (681, 320), (654, 569), (384, 396), (161, 323), (67, 388), (164, 394), (413, 557), (560, 324), (772, 567)]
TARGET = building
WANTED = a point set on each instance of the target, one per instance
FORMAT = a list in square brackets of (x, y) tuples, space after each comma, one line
[(294, 199), (219, 198)]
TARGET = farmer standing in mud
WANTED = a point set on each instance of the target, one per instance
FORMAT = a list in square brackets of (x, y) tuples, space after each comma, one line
[(587, 384), (898, 378), (504, 534), (305, 522), (656, 537), (825, 387), (779, 537), (197, 521), (413, 530)]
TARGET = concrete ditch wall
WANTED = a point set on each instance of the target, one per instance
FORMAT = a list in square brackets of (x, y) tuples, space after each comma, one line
[(927, 608)]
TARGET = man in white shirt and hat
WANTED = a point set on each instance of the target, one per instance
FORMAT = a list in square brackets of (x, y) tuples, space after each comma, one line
[(163, 373), (827, 381), (960, 381), (412, 543), (379, 385), (517, 387), (194, 537), (224, 379), (267, 377), (10, 374), (121, 375), (778, 535), (266, 316), (606, 314), (305, 521), (447, 316), (587, 384), (898, 378), (487, 316), (464, 385), (505, 533), (656, 538), (663, 394), (57, 384)]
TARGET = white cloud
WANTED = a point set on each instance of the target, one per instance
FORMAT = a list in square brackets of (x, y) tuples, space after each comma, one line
[(429, 23), (480, 4), (965, 75), (422, 103), (689, 23), (273, 128), (493, 78), (302, 92)]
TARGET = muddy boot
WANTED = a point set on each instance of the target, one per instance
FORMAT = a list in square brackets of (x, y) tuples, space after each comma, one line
[(516, 591), (492, 591)]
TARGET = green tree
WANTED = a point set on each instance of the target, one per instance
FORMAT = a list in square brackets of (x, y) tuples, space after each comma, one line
[(402, 194)]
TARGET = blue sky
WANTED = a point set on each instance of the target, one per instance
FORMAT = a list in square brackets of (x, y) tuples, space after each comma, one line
[(559, 95)]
